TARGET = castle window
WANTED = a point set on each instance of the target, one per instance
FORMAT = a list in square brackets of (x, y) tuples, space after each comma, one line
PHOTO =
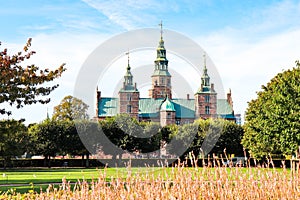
[(207, 110), (128, 97), (128, 108), (169, 115), (207, 98), (162, 81)]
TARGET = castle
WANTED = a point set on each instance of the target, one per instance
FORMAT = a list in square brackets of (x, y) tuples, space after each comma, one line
[(160, 106)]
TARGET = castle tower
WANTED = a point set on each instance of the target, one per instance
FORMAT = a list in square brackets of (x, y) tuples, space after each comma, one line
[(161, 78), (129, 95), (206, 97), (167, 113)]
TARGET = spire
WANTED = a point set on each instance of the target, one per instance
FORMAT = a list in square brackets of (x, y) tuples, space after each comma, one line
[(48, 114), (205, 78), (128, 66), (128, 78), (161, 62), (204, 60), (161, 30)]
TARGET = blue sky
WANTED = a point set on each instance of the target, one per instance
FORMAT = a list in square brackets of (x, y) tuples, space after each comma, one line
[(248, 41)]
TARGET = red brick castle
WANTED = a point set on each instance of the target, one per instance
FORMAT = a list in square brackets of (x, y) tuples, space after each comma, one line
[(160, 106)]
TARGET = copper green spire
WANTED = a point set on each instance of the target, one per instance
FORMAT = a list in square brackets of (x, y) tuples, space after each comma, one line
[(205, 78), (161, 62), (128, 78)]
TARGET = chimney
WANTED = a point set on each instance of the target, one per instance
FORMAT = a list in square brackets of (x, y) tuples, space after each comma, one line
[(212, 87), (98, 95), (188, 96), (135, 86), (229, 98)]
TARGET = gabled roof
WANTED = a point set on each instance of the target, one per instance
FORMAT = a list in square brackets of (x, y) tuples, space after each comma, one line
[(223, 107)]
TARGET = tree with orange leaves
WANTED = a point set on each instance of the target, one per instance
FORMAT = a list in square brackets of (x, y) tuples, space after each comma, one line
[(21, 85)]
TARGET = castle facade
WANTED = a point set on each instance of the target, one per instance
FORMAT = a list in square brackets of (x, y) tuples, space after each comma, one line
[(160, 106)]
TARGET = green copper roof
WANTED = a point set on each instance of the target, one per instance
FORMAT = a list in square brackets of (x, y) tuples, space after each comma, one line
[(149, 108), (161, 73), (185, 108), (205, 89), (108, 107), (223, 107), (167, 105)]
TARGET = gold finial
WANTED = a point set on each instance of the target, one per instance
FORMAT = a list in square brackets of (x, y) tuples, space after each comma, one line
[(161, 29)]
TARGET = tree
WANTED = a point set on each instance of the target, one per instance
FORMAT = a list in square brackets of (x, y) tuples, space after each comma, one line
[(207, 136), (272, 119), (230, 138), (46, 138), (70, 108), (14, 139), (24, 85)]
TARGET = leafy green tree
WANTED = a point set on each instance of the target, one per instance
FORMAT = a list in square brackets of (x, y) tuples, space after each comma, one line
[(230, 138), (128, 134), (208, 136), (46, 138), (149, 139), (14, 139), (88, 140), (272, 119), (24, 85), (115, 135), (70, 108), (180, 138)]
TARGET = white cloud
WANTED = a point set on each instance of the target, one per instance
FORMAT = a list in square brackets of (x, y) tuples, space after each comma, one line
[(130, 14), (245, 66)]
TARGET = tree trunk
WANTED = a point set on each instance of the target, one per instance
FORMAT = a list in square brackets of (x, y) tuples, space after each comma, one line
[(49, 162), (82, 160), (87, 160), (45, 161)]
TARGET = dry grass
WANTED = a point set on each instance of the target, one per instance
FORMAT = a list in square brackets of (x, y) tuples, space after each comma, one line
[(210, 182)]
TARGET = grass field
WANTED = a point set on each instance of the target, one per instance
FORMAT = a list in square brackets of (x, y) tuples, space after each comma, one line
[(210, 182), (23, 180)]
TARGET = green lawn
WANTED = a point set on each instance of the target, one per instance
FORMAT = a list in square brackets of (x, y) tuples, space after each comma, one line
[(24, 180)]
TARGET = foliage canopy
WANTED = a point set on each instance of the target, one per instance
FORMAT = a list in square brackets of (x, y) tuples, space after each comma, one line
[(24, 85), (272, 120), (70, 108)]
